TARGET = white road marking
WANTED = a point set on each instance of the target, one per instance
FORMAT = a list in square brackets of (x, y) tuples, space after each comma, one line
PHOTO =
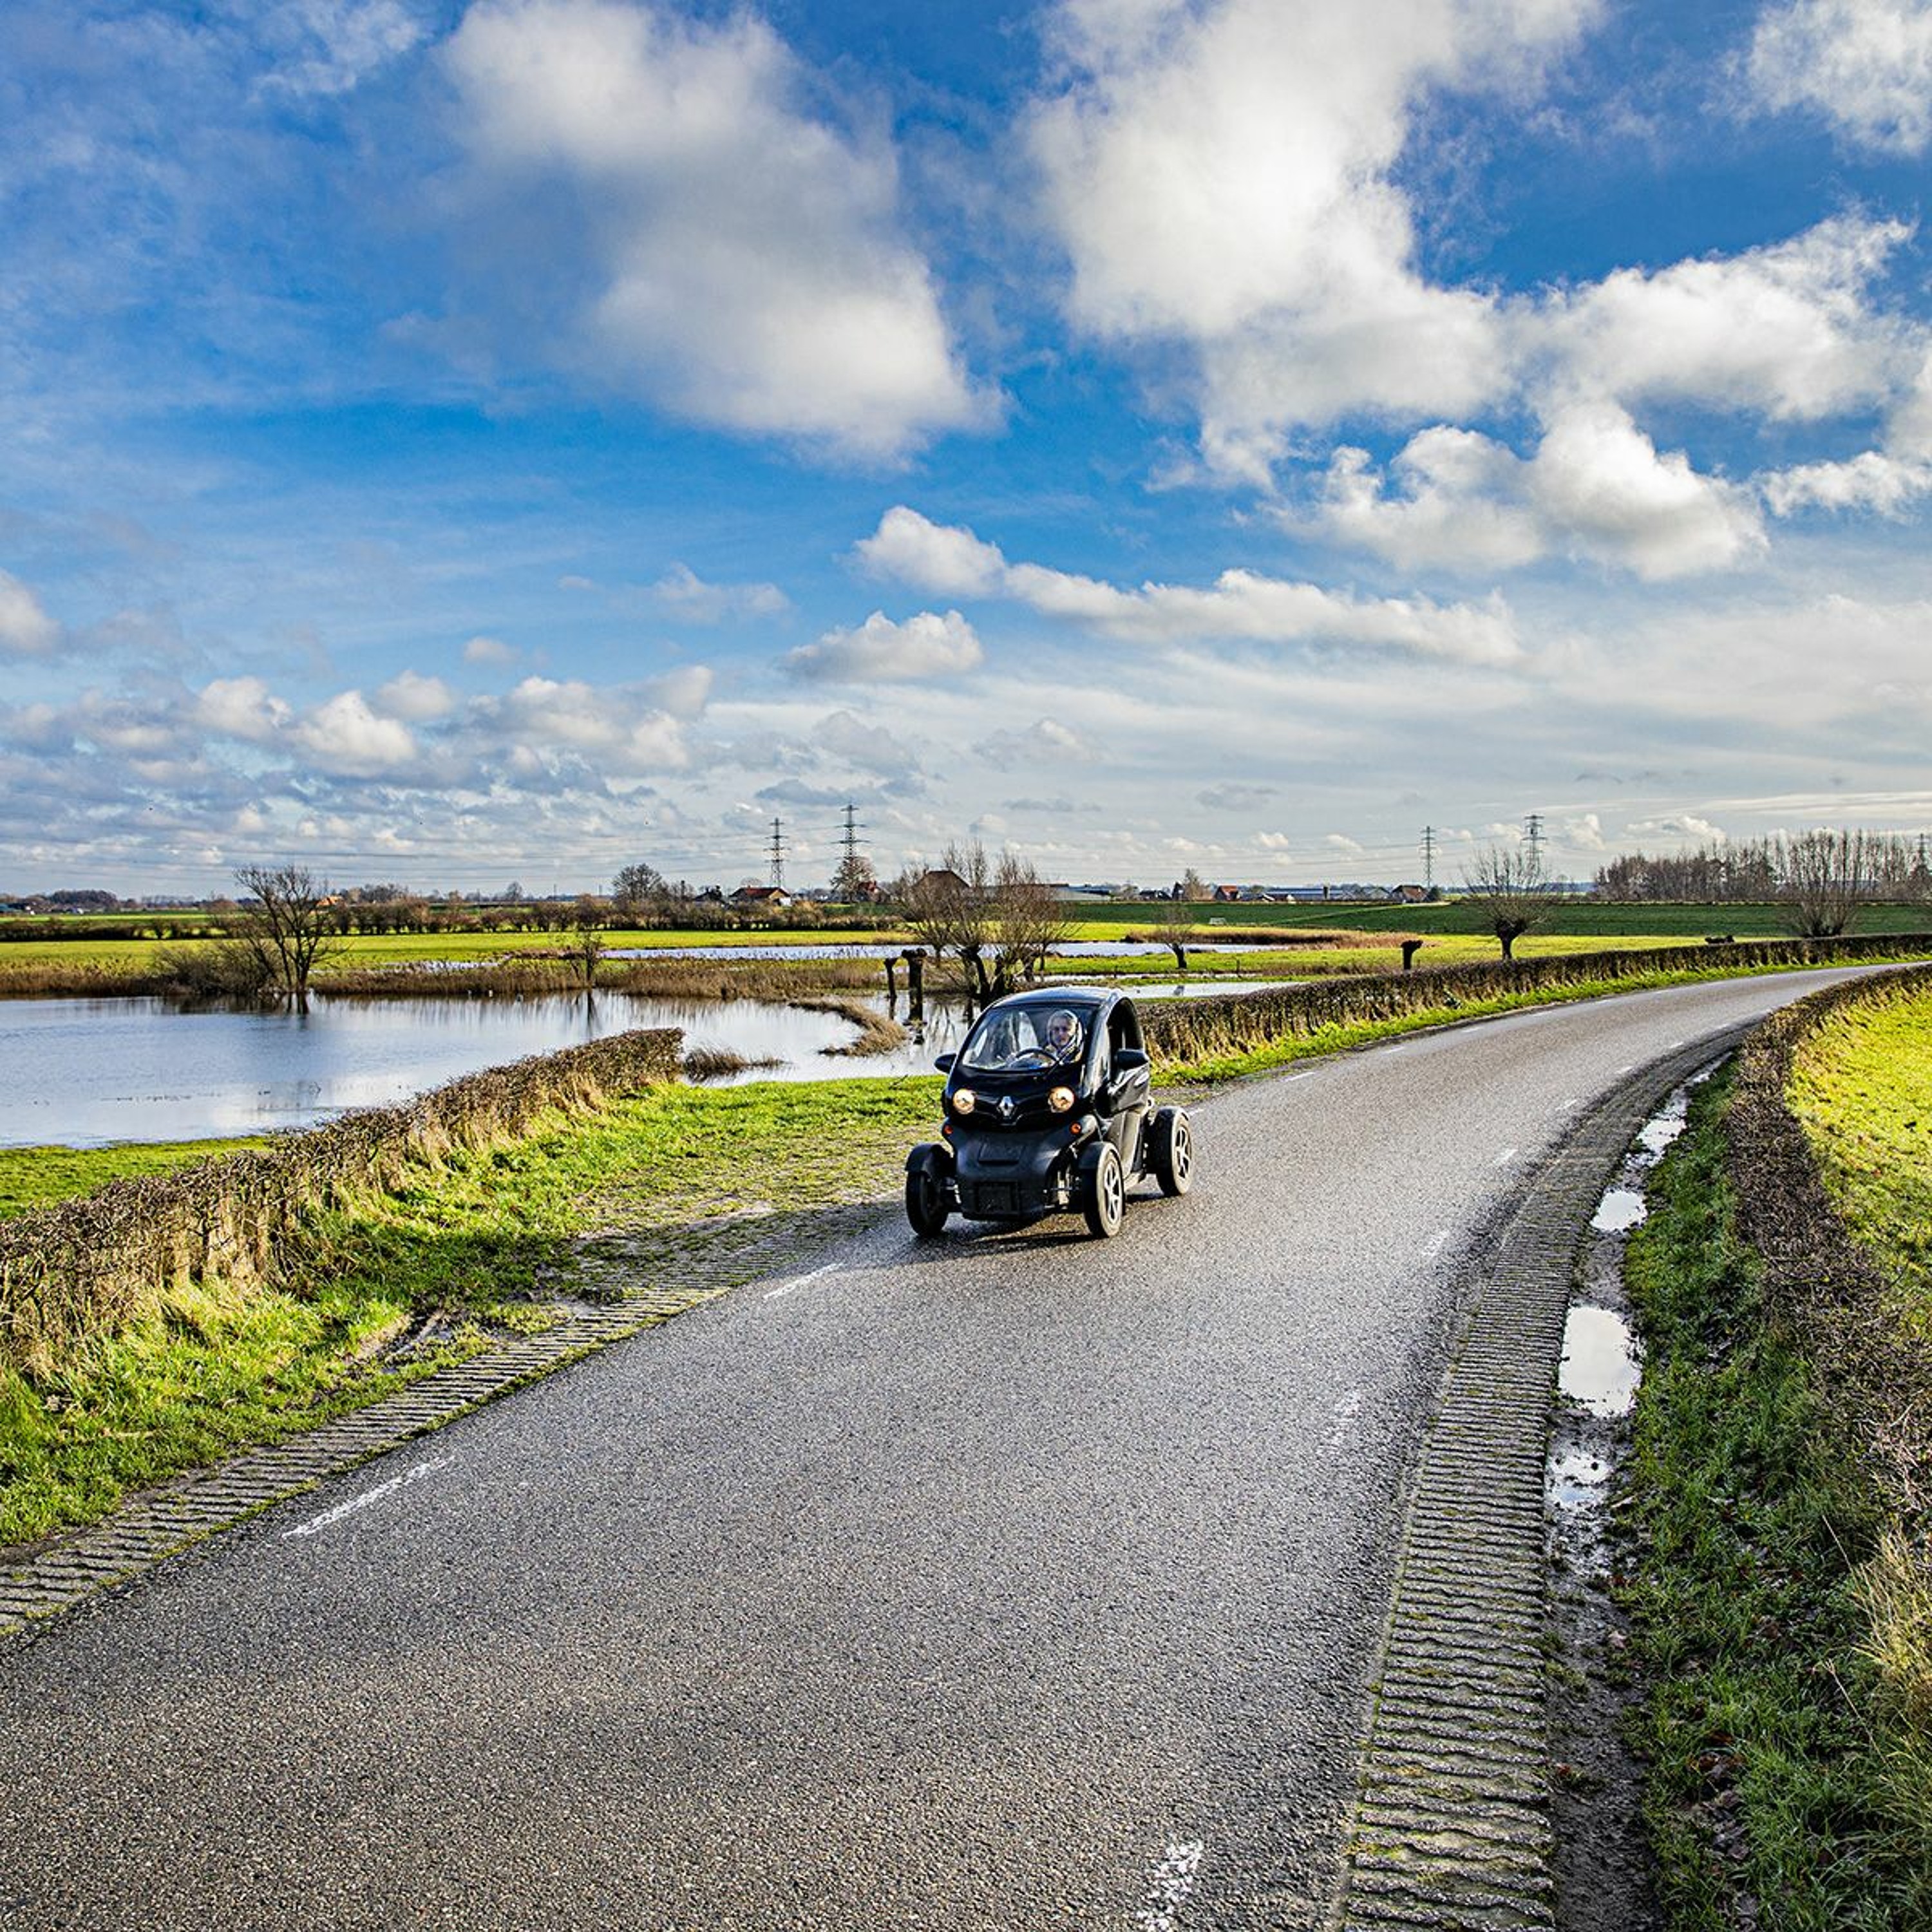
[(1504, 1159), (1630, 1069), (1346, 1411), (1438, 1242), (1309, 1075), (830, 1267), (368, 1496), (1171, 1886)]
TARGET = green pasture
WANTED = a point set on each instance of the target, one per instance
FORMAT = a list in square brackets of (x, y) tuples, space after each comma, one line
[(37, 1176), (1566, 919), (1862, 1084)]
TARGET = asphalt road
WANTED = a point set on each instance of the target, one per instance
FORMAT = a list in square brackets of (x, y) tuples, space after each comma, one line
[(1015, 1581)]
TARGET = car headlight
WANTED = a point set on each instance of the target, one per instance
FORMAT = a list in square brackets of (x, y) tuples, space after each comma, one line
[(1061, 1099), (964, 1100)]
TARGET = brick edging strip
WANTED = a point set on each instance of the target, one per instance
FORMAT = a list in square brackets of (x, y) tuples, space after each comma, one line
[(1450, 1829)]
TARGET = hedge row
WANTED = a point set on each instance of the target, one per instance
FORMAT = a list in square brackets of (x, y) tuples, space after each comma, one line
[(1233, 1021), (91, 1266), (1817, 1280)]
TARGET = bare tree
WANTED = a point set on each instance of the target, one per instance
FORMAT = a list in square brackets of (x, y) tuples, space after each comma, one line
[(1028, 921), (950, 905), (1507, 888), (285, 921), (1177, 929), (1822, 879)]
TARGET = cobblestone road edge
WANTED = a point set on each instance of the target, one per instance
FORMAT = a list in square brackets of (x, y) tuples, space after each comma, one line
[(1450, 1831)]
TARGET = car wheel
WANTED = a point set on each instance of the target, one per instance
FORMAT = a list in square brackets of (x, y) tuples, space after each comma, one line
[(1105, 1201), (1173, 1150), (927, 1208)]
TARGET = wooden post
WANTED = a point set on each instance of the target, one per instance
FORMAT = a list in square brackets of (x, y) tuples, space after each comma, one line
[(915, 964), (892, 980), (1410, 948)]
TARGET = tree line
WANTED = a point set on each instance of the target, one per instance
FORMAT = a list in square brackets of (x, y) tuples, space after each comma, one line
[(1849, 866)]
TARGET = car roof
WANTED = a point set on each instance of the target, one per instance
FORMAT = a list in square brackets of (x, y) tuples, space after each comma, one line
[(1091, 998)]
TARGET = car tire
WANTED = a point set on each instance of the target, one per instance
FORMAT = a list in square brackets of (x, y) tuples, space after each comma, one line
[(927, 1207), (1103, 1197), (1170, 1154)]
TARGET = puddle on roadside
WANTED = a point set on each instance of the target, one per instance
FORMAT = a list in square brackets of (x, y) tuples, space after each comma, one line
[(1620, 1210), (1601, 1367), (1576, 1476), (1601, 1854)]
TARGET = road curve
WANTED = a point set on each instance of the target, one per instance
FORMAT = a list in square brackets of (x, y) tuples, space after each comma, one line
[(1014, 1580)]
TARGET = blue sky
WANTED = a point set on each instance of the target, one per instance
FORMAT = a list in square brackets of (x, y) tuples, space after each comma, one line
[(456, 444)]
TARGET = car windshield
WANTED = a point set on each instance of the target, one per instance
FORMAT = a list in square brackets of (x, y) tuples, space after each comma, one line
[(1015, 1039)]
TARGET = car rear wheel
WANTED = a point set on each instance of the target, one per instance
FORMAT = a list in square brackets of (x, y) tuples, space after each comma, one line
[(1171, 1155), (1104, 1199), (927, 1207)]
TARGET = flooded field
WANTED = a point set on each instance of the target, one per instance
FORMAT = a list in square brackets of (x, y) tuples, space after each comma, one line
[(86, 1072)]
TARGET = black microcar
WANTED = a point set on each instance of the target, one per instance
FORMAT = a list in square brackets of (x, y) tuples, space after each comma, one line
[(1049, 1108)]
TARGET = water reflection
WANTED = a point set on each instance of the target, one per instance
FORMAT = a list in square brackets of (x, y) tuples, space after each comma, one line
[(83, 1072), (1601, 1366)]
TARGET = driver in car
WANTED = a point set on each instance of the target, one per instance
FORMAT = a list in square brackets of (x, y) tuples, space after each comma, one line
[(1063, 1036)]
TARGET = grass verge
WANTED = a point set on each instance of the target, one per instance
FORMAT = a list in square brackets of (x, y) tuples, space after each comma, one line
[(490, 1243), (1771, 1743)]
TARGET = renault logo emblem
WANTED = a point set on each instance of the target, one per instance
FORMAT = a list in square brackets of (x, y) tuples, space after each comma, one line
[(1005, 1106)]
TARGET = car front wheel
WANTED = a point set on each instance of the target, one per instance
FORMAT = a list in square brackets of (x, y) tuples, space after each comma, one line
[(1171, 1155), (1104, 1199), (927, 1207)]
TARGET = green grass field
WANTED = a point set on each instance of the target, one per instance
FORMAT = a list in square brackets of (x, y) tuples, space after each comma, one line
[(1568, 919), (37, 1176), (1862, 1084)]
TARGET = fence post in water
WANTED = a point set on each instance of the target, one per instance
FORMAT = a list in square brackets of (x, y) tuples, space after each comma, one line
[(891, 979), (915, 964), (1410, 948)]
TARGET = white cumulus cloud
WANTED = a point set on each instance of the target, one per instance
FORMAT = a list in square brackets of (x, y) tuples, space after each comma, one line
[(1600, 478), (1596, 486), (747, 264), (1221, 177), (343, 736), (1240, 606), (1870, 481), (1788, 330), (1865, 65), (882, 651), (414, 698), (243, 708)]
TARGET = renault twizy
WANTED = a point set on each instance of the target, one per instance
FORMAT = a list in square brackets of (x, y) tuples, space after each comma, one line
[(1049, 1109)]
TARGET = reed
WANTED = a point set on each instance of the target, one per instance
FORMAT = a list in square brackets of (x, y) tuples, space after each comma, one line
[(877, 1033)]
